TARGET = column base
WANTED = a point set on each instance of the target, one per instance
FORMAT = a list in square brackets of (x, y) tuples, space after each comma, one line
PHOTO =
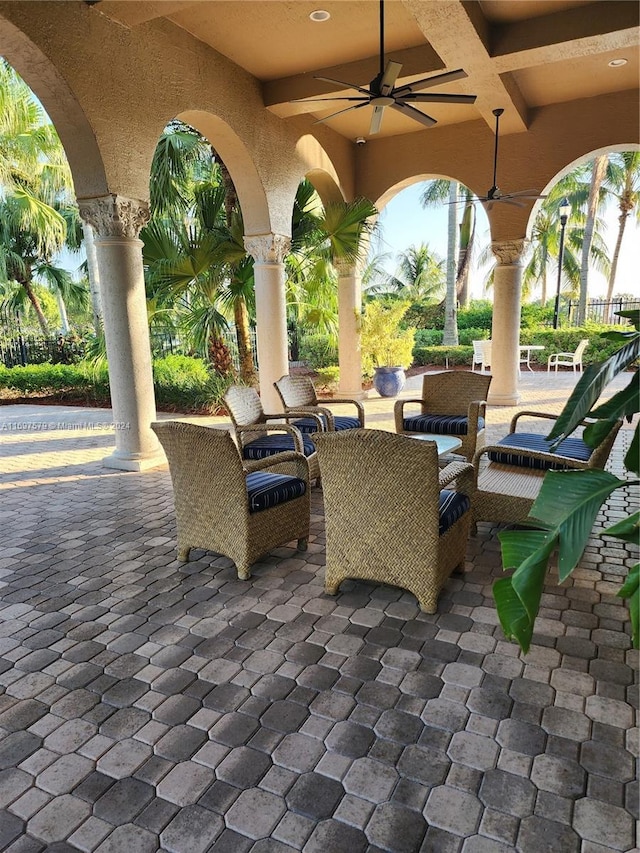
[(503, 399), (352, 395), (121, 462)]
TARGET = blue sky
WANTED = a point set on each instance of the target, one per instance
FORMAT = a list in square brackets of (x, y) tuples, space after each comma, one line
[(404, 223)]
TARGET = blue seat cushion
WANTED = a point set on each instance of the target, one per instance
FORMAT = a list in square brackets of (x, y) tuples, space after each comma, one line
[(266, 490), (575, 448), (451, 507), (440, 424), (307, 425), (271, 443)]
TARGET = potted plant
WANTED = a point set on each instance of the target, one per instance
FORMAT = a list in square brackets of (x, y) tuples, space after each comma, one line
[(386, 347)]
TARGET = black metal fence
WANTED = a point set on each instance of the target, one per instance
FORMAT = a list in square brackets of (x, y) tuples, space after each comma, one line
[(26, 349), (601, 311)]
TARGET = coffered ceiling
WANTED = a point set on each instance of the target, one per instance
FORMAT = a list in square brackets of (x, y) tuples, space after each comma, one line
[(520, 55)]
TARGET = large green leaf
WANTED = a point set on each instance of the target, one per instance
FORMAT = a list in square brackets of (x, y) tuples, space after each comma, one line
[(628, 529), (570, 501), (514, 621), (623, 404), (631, 591), (632, 457), (590, 386)]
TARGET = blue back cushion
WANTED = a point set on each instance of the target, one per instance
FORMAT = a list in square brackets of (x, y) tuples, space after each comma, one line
[(306, 425), (266, 490), (451, 507), (440, 424), (575, 448), (272, 443)]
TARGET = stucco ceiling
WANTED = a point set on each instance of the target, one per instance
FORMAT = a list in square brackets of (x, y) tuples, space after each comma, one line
[(519, 54)]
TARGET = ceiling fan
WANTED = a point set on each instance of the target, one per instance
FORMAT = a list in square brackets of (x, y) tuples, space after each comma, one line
[(495, 194), (382, 92)]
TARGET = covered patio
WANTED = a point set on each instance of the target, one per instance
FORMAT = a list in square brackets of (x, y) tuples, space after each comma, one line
[(150, 705)]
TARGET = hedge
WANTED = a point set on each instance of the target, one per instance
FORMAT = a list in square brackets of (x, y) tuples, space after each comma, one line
[(181, 384)]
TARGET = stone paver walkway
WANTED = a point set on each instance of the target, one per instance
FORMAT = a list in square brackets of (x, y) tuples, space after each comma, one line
[(147, 705)]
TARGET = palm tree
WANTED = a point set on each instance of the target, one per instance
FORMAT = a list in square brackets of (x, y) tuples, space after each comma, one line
[(37, 210), (598, 171), (420, 274), (622, 181), (436, 193)]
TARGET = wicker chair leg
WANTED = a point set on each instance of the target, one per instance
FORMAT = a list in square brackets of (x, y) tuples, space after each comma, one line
[(428, 604), (183, 553), (302, 544), (244, 572), (331, 588)]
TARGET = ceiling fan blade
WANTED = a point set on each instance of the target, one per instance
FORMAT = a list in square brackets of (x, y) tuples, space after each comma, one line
[(425, 98), (337, 98), (344, 85), (508, 200), (428, 82), (376, 120), (526, 194), (391, 73), (412, 112), (339, 113)]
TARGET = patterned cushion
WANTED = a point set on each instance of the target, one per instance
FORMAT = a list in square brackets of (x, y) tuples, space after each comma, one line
[(440, 424), (307, 425), (452, 506), (575, 448), (266, 490), (272, 443)]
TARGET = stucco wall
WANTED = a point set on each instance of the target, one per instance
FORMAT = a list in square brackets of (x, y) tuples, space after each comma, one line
[(110, 91)]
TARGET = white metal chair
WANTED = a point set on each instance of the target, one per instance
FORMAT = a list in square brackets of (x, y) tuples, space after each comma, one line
[(481, 355), (568, 359)]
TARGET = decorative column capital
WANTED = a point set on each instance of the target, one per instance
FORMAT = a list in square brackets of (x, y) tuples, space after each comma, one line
[(509, 253), (268, 248), (114, 215)]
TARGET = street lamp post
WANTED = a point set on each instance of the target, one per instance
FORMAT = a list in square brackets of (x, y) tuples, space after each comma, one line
[(565, 210)]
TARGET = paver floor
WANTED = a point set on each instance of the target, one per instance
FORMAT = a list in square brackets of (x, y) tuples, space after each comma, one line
[(148, 705)]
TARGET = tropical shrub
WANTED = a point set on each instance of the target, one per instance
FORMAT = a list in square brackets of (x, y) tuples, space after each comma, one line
[(328, 378), (383, 341), (318, 351), (565, 510)]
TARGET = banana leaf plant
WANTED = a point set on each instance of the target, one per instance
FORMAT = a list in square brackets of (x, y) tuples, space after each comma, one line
[(562, 517)]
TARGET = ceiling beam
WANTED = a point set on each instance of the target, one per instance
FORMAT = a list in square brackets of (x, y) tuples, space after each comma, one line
[(447, 25)]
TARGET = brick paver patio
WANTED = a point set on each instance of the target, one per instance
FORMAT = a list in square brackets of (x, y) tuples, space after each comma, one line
[(147, 705)]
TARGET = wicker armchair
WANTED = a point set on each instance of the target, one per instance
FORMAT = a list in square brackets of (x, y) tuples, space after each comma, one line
[(453, 403), (510, 473), (260, 435), (389, 516), (241, 511), (298, 394)]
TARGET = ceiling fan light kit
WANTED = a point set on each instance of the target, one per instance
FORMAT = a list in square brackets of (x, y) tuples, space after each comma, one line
[(382, 92)]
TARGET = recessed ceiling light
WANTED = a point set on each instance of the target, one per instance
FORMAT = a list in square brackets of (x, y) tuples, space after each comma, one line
[(617, 63), (319, 15)]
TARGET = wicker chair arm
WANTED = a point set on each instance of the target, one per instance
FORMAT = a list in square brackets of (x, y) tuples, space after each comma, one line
[(547, 415), (356, 403), (477, 410), (542, 455), (463, 472), (398, 412), (288, 462), (317, 411), (293, 432)]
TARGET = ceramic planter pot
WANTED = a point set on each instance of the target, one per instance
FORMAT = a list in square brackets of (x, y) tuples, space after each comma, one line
[(389, 381)]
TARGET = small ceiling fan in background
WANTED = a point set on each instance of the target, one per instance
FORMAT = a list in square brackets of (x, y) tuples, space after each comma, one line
[(495, 194), (382, 92)]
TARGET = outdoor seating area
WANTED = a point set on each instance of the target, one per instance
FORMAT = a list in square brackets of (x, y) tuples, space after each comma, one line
[(148, 703)]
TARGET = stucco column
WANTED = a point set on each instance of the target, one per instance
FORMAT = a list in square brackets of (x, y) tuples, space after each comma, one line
[(505, 334), (116, 222), (349, 315), (268, 252)]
